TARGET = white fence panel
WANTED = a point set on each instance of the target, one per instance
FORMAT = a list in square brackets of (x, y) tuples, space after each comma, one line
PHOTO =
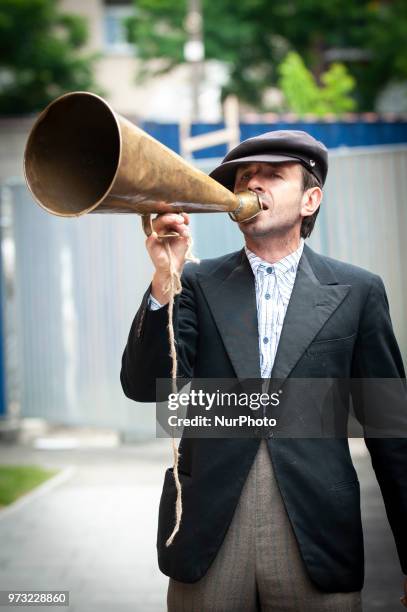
[(73, 286)]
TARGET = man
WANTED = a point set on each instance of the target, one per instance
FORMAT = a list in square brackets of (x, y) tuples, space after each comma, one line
[(272, 524)]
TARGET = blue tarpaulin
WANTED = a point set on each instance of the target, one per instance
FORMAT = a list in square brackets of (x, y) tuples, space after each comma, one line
[(332, 134)]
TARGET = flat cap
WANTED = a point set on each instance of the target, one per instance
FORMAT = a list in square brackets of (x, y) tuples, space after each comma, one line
[(276, 146)]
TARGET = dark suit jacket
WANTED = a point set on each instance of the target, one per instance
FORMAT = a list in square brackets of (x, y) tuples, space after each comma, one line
[(337, 325)]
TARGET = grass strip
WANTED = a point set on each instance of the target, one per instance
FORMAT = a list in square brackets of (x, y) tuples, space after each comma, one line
[(15, 480)]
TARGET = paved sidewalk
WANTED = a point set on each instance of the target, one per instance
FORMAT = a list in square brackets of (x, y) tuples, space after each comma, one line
[(94, 533)]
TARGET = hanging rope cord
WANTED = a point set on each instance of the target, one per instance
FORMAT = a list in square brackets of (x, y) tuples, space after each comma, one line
[(173, 288)]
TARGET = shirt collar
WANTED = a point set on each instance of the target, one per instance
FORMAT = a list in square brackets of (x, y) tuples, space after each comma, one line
[(289, 263)]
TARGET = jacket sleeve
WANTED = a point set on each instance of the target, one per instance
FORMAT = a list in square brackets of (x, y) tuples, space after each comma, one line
[(377, 356), (146, 356)]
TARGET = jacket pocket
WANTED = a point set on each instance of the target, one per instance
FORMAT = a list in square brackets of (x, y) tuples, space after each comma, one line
[(345, 484), (347, 495), (333, 345)]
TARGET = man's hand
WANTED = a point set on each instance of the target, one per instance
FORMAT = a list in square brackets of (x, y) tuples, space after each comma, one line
[(155, 246), (404, 598)]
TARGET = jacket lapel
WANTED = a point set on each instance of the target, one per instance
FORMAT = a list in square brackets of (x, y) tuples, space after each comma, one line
[(312, 303), (232, 300)]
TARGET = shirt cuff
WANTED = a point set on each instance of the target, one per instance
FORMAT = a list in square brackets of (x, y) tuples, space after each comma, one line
[(153, 304)]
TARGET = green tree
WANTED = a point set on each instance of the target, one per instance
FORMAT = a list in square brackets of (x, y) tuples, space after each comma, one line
[(253, 36), (40, 55), (303, 95), (337, 87), (300, 90)]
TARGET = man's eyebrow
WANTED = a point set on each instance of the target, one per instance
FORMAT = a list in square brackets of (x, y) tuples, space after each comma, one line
[(244, 166), (274, 165), (281, 165)]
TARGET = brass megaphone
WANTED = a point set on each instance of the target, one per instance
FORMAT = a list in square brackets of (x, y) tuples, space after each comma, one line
[(82, 157)]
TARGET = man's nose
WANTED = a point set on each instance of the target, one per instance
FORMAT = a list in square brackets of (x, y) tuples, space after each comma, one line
[(255, 184)]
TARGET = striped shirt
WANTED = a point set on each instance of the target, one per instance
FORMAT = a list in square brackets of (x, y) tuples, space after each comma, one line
[(274, 284)]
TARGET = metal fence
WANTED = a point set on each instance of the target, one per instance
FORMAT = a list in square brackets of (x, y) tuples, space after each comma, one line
[(71, 287), (362, 220)]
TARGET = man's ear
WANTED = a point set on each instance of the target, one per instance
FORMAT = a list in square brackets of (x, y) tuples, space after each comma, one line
[(311, 200)]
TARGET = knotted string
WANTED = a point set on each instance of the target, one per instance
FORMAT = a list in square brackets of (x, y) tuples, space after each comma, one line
[(173, 288)]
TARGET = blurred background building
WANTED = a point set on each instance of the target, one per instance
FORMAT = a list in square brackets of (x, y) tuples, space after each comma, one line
[(166, 98)]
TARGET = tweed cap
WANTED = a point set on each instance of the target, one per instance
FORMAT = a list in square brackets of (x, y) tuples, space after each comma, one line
[(277, 146)]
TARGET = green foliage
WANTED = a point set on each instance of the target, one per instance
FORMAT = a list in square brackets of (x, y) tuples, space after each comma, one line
[(303, 95), (15, 480), (338, 84), (300, 90), (157, 30), (40, 55), (253, 36)]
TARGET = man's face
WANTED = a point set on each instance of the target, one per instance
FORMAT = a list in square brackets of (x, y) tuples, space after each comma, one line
[(279, 186)]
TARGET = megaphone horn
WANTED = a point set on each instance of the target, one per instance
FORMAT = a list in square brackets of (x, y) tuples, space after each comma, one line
[(82, 157)]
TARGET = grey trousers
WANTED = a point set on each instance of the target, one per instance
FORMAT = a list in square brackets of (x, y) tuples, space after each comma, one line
[(258, 566)]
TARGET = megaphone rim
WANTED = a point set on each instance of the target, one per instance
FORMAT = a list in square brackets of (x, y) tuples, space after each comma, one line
[(37, 122)]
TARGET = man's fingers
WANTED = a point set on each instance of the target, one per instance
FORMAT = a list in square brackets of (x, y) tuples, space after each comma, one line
[(151, 238), (155, 241), (164, 224), (171, 222), (168, 219)]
